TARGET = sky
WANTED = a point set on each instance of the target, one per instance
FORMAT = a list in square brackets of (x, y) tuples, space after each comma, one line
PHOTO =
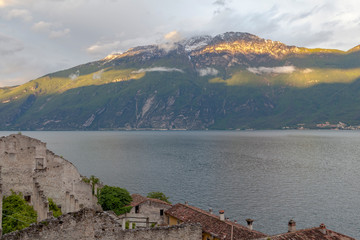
[(43, 36)]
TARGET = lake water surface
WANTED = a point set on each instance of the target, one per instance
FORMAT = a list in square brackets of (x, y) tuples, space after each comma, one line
[(271, 176)]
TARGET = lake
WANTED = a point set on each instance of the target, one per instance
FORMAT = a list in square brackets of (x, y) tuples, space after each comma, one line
[(271, 176)]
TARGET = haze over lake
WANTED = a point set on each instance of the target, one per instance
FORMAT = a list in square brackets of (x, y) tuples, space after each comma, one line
[(270, 176)]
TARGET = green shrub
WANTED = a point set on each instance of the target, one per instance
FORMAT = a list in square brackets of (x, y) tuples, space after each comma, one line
[(115, 199), (54, 208), (17, 213), (159, 195)]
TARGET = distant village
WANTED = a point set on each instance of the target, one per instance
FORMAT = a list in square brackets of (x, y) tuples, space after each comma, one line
[(325, 125), (27, 166)]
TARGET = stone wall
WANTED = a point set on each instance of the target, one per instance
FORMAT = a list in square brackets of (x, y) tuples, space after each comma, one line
[(90, 225), (148, 213), (30, 168)]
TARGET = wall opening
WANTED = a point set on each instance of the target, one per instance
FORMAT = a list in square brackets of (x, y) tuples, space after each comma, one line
[(28, 198), (39, 163)]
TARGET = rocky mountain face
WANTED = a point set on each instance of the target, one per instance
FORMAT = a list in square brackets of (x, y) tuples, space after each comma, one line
[(230, 81)]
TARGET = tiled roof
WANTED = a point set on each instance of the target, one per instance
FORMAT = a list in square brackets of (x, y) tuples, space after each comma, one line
[(211, 223), (311, 234), (138, 199)]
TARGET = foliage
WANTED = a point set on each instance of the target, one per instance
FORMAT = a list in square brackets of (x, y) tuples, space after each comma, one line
[(17, 214), (133, 225), (115, 199), (54, 208), (159, 195), (127, 224), (94, 180), (85, 179)]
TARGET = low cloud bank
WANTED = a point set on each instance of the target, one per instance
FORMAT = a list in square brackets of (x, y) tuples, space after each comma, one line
[(158, 69), (98, 74), (75, 75), (207, 71), (262, 70)]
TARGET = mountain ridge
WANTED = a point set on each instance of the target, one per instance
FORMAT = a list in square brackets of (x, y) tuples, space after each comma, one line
[(230, 81)]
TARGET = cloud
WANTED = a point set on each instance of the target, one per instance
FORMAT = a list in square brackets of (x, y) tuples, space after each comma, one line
[(51, 29), (171, 40), (18, 13), (268, 70), (158, 69), (207, 71), (307, 70), (103, 48), (75, 75), (5, 3), (98, 74), (9, 45), (16, 69), (59, 33), (220, 2)]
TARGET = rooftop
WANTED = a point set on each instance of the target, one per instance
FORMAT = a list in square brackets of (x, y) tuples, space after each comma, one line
[(316, 233), (212, 224), (139, 199)]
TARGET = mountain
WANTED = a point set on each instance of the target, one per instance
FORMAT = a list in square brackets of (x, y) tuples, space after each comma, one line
[(230, 81)]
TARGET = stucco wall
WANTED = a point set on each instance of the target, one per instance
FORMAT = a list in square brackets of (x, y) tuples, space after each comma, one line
[(88, 224)]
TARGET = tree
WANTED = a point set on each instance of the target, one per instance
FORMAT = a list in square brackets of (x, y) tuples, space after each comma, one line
[(94, 180), (54, 208), (17, 214), (159, 195), (115, 199)]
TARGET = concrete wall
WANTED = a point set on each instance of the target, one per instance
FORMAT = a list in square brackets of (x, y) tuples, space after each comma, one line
[(30, 168), (88, 224)]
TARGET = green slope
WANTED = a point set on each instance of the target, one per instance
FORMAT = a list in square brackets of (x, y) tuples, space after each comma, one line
[(165, 91)]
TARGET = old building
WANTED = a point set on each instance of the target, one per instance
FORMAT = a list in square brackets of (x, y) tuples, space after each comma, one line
[(146, 212), (318, 233), (213, 227), (30, 168), (218, 228)]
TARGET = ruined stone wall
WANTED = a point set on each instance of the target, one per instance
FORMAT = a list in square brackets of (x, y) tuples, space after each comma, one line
[(88, 225), (63, 183), (29, 167), (18, 159)]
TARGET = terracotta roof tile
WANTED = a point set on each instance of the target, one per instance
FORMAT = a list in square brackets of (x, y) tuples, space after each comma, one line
[(138, 199), (211, 223), (311, 234)]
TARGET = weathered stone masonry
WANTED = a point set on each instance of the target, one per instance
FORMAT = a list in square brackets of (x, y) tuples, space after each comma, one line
[(30, 168), (90, 225)]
